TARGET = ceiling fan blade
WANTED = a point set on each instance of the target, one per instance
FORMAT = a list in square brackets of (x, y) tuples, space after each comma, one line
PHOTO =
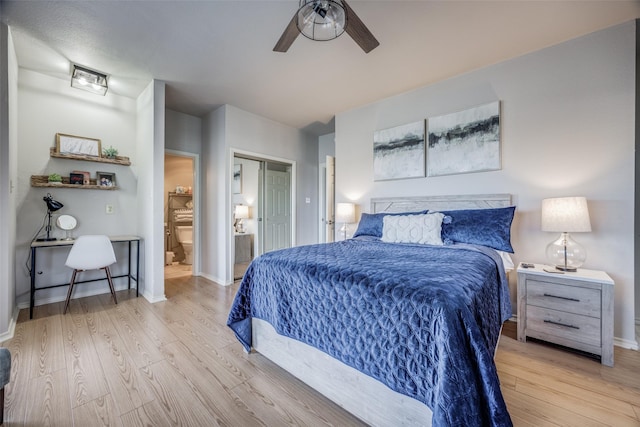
[(288, 36), (358, 31)]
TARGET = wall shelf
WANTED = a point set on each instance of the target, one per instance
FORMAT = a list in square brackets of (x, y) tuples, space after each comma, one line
[(43, 181), (118, 160)]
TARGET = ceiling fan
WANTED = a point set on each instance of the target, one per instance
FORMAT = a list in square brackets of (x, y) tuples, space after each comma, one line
[(325, 20)]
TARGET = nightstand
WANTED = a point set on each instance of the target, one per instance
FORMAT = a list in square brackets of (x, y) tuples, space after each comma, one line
[(571, 309)]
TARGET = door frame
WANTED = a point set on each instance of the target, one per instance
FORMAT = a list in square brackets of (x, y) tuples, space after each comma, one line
[(196, 193), (233, 152)]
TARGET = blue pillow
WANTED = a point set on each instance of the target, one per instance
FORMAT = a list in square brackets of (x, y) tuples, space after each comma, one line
[(486, 227), (371, 224)]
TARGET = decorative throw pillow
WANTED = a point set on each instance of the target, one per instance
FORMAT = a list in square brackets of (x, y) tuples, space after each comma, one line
[(424, 229), (371, 224), (486, 227)]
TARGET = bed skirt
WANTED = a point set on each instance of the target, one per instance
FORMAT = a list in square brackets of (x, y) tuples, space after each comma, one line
[(366, 398)]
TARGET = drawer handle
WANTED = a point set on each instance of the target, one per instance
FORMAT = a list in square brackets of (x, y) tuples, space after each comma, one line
[(559, 297), (561, 324)]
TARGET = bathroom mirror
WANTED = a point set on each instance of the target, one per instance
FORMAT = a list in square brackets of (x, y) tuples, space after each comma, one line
[(67, 223)]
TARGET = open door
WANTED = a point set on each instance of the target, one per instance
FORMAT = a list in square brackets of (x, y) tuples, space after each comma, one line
[(329, 203)]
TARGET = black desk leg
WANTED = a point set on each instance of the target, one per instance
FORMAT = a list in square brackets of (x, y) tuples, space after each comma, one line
[(129, 266), (32, 297), (137, 266)]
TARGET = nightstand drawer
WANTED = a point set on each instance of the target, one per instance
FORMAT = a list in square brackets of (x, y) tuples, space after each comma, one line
[(560, 297), (545, 324)]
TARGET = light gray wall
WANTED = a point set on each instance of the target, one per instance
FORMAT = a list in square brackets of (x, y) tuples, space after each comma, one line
[(150, 138), (249, 132), (48, 105), (326, 146), (567, 129), (183, 132), (8, 178), (637, 178), (227, 129), (215, 218)]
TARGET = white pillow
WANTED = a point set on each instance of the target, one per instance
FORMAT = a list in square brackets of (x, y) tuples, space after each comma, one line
[(425, 228), (507, 262)]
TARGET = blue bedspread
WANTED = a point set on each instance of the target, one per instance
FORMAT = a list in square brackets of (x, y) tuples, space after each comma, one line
[(424, 320)]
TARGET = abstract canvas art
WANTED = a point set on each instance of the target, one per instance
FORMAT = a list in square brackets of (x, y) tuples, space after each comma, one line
[(466, 141), (398, 152), (237, 179)]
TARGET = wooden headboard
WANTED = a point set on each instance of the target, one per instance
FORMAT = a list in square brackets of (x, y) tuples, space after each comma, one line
[(437, 203)]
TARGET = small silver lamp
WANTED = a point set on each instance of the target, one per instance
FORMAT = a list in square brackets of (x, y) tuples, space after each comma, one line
[(566, 215), (240, 212), (346, 214)]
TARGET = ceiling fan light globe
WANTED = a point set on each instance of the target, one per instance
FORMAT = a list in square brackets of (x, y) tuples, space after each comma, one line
[(321, 19)]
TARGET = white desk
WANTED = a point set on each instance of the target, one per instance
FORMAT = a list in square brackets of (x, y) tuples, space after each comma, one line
[(35, 245)]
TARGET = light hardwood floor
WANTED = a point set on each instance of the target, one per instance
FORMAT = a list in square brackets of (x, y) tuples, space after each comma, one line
[(176, 363)]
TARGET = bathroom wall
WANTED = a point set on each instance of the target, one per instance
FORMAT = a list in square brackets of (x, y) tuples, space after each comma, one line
[(178, 170)]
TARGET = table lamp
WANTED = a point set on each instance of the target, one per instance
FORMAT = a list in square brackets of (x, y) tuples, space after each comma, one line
[(346, 214), (240, 212), (52, 206), (566, 215)]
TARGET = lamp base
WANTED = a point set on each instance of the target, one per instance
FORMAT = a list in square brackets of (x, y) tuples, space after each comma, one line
[(567, 268), (565, 253), (46, 239)]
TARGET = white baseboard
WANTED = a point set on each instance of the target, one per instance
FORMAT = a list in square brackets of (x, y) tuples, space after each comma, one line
[(631, 345), (215, 280), (78, 292), (153, 299), (12, 327)]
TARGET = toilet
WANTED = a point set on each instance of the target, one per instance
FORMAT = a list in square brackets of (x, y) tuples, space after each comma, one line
[(185, 237)]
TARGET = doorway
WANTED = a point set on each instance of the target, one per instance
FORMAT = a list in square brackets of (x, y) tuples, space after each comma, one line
[(326, 197), (180, 214), (264, 189)]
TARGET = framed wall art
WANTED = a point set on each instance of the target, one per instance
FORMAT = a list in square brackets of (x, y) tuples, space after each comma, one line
[(106, 179), (398, 152), (463, 142), (237, 179), (71, 144)]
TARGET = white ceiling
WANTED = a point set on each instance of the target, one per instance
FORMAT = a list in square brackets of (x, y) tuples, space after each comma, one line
[(212, 53)]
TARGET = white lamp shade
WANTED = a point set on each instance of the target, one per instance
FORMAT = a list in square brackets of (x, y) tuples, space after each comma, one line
[(241, 212), (565, 214), (346, 213)]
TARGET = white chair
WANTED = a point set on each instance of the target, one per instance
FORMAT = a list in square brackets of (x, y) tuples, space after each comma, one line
[(90, 253)]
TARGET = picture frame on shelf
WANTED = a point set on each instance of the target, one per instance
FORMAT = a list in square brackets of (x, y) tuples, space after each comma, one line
[(78, 145), (106, 179), (86, 180), (76, 178)]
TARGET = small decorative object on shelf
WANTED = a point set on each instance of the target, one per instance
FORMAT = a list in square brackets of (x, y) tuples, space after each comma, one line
[(110, 153), (76, 178), (117, 160), (55, 179), (106, 179), (86, 180)]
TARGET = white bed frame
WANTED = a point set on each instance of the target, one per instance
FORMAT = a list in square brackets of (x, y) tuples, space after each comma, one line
[(361, 395)]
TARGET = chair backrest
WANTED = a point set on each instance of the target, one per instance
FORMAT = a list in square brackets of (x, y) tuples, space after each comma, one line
[(91, 252)]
